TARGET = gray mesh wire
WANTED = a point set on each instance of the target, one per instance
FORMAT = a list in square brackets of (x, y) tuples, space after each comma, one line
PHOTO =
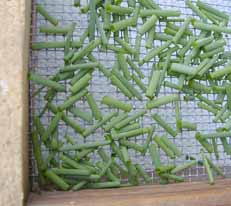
[(46, 62)]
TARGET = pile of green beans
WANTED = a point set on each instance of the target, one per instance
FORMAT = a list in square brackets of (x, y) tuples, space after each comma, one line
[(200, 64)]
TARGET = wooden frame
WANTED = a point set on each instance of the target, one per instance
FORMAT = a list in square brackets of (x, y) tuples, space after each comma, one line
[(183, 194)]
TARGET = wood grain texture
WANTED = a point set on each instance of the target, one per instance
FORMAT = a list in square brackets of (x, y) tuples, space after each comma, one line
[(184, 194)]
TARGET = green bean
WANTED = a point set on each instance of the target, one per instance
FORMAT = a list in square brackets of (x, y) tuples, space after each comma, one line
[(203, 41), (142, 173), (84, 146), (171, 146), (225, 115), (118, 9), (46, 82), (119, 25), (183, 167), (161, 144), (135, 68), (169, 51), (207, 107), (98, 124), (173, 177), (150, 39), (47, 45), (81, 114), (71, 100), (210, 27), (221, 72), (114, 121), (40, 9), (157, 12), (207, 66), (100, 66), (94, 107), (86, 50), (137, 47), (176, 28), (125, 45), (184, 49), (151, 90), (56, 180), (79, 185), (207, 167), (207, 101), (106, 16), (164, 169), (165, 37), (212, 53), (215, 167), (212, 10), (112, 102), (38, 125), (127, 84), (214, 45), (129, 119), (58, 30), (226, 145), (188, 125), (123, 65), (196, 10), (83, 154), (131, 145), (199, 87), (162, 101), (82, 83), (182, 69), (220, 113), (61, 171), (115, 81), (155, 156), (170, 31), (154, 52), (182, 30), (204, 142), (125, 155), (132, 133), (130, 127), (92, 20), (165, 125), (139, 83), (150, 23)]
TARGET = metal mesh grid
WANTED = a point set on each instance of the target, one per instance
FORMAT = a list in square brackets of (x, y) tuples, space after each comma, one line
[(46, 62)]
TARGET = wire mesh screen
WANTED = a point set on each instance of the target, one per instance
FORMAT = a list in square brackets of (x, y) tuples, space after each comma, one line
[(47, 62)]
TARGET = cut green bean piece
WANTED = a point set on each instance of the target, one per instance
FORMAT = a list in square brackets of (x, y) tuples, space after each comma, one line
[(150, 23), (61, 184), (162, 101), (182, 69), (154, 52), (157, 12), (82, 83), (210, 63), (207, 167), (122, 63), (215, 135), (182, 30), (207, 101), (226, 145), (210, 27), (132, 133), (165, 125), (101, 185), (115, 81), (47, 45), (131, 145), (207, 107), (114, 121), (212, 10), (186, 48), (155, 156), (130, 127), (161, 144), (142, 173), (135, 68), (184, 166), (125, 155), (86, 50), (83, 154), (154, 81), (215, 167), (38, 125), (129, 119), (188, 125), (210, 54), (150, 39), (125, 45), (79, 185), (215, 45), (98, 124), (94, 107), (46, 82), (199, 87), (118, 9), (61, 171), (221, 72), (71, 100), (58, 30), (84, 146), (139, 83), (173, 177), (112, 102), (100, 29), (171, 146), (81, 114), (40, 9), (196, 10), (203, 41)]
